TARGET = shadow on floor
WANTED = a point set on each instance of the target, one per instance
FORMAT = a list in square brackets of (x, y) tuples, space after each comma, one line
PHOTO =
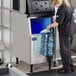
[(51, 73)]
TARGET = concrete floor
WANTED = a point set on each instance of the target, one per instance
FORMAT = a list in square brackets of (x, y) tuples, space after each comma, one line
[(41, 67), (24, 67), (38, 67)]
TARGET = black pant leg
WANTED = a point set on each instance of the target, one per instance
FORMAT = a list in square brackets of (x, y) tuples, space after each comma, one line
[(66, 52), (71, 65)]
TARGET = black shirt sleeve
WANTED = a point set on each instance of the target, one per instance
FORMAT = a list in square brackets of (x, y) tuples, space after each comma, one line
[(60, 16)]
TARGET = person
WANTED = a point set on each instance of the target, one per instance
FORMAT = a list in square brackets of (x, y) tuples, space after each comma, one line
[(65, 22)]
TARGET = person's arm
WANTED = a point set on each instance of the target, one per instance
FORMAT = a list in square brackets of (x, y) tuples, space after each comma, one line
[(54, 24), (59, 19)]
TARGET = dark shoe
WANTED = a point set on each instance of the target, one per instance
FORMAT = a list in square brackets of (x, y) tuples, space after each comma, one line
[(63, 71), (72, 70)]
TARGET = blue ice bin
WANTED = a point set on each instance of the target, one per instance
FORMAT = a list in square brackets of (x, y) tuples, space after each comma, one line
[(47, 44), (47, 39), (39, 24)]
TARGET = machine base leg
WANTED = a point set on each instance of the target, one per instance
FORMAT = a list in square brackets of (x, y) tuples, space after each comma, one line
[(1, 61), (17, 60), (31, 68), (49, 65), (49, 61)]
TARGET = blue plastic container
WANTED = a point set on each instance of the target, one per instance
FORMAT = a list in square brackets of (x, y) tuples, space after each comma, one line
[(47, 44)]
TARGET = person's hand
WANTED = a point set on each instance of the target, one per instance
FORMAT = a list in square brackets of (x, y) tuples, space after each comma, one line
[(48, 27)]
